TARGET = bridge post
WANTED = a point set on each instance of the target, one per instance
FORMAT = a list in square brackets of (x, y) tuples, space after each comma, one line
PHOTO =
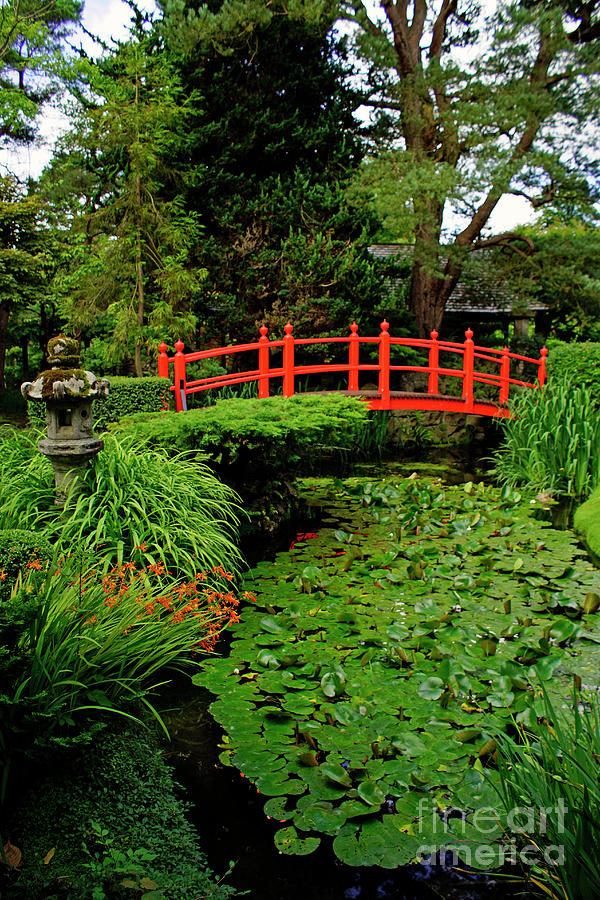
[(384, 365), (288, 361), (542, 368), (434, 362), (179, 377), (263, 362), (163, 361), (468, 368), (505, 375), (353, 352)]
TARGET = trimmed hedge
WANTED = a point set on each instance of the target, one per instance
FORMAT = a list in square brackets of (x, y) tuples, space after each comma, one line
[(587, 522), (17, 548), (273, 433), (127, 396), (581, 362), (258, 447), (113, 815)]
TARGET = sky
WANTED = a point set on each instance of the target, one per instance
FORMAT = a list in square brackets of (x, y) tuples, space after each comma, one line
[(110, 19)]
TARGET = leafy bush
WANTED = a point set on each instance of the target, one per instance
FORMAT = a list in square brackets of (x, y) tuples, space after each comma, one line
[(256, 435), (127, 396), (587, 522), (581, 362), (553, 770), (113, 815), (552, 441), (19, 549), (78, 640), (131, 495)]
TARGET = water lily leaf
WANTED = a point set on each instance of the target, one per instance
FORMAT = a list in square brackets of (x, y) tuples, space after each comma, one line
[(321, 816), (336, 773), (268, 660), (397, 632), (346, 714), (275, 808), (307, 758), (287, 840), (592, 602), (432, 688), (371, 793), (333, 683), (269, 623), (501, 699), (468, 734)]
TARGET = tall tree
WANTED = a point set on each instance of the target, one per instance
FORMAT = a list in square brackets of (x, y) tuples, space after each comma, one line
[(32, 34), (273, 140), (470, 108), (481, 108), (130, 237), (24, 258)]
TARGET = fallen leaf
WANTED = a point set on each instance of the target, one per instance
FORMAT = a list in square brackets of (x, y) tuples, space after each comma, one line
[(49, 856), (12, 856)]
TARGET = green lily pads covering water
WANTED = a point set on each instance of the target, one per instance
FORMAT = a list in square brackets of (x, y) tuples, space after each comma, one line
[(363, 690)]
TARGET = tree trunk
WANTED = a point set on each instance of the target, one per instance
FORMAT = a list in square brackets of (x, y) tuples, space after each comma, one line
[(4, 314), (139, 266)]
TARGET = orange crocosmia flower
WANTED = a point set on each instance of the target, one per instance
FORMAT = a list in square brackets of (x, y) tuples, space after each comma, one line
[(33, 564), (2, 575)]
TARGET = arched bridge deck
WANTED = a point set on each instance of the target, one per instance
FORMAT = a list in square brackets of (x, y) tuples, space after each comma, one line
[(484, 376)]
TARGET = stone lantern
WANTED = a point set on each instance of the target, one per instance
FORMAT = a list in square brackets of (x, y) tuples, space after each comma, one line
[(67, 391)]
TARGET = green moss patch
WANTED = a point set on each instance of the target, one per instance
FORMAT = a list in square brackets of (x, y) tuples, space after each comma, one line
[(587, 522)]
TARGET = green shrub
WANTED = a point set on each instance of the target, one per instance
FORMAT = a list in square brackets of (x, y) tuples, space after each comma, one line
[(580, 362), (552, 770), (587, 522), (112, 814), (18, 549), (130, 495), (258, 435), (552, 441), (127, 396)]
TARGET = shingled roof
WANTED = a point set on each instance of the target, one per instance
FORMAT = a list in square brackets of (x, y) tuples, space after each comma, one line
[(489, 294)]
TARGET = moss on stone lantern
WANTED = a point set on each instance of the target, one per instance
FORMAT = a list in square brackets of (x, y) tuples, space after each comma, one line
[(68, 392)]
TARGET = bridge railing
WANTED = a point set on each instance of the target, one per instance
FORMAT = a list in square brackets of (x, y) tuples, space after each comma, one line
[(468, 353)]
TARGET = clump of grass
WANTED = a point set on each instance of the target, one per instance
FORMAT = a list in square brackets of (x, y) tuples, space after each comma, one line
[(553, 770), (130, 496), (552, 441)]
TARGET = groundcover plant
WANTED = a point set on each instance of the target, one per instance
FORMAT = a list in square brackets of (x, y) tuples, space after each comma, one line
[(364, 691)]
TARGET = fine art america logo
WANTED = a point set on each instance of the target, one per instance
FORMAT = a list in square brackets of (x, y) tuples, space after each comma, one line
[(484, 839)]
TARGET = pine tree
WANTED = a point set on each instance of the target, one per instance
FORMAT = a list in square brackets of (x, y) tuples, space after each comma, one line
[(272, 143), (130, 237)]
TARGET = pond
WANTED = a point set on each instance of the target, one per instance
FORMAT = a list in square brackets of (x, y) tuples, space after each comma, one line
[(356, 703)]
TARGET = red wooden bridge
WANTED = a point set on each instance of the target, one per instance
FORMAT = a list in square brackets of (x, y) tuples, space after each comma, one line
[(478, 367)]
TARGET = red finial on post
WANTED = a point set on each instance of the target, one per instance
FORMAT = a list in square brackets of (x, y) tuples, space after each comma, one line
[(163, 361), (384, 365), (288, 361), (263, 362), (542, 368), (353, 354), (505, 375), (179, 376), (468, 369), (434, 362)]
